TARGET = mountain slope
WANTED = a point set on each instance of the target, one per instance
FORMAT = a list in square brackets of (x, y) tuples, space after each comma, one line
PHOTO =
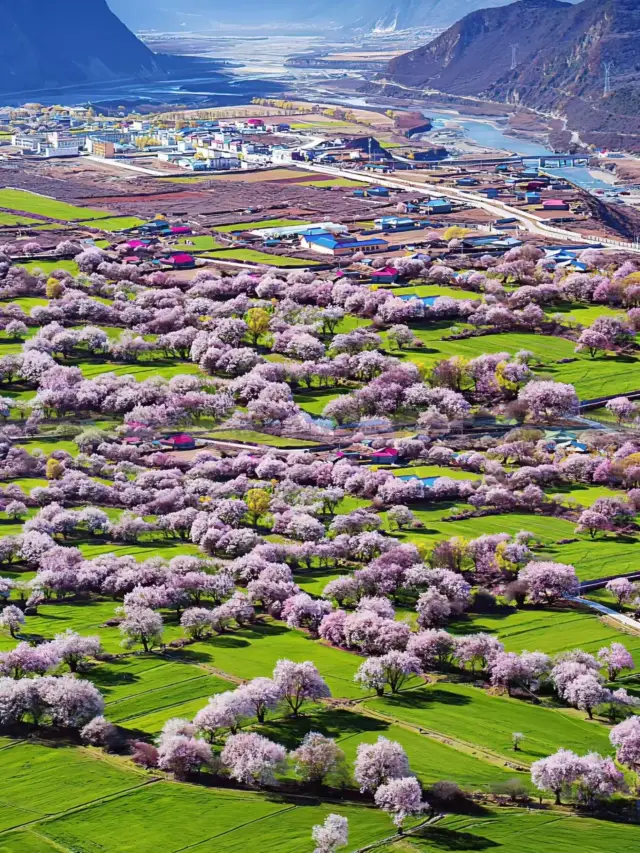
[(198, 15), (560, 56), (66, 42)]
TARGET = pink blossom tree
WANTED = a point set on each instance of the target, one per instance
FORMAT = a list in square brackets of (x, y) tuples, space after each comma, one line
[(599, 780), (299, 683), (141, 626), (557, 773), (626, 738), (395, 669), (377, 763), (549, 581), (252, 759), (331, 835), (74, 649), (622, 589), (316, 758), (433, 648), (183, 755), (586, 692), (224, 710), (261, 695), (615, 658), (402, 798)]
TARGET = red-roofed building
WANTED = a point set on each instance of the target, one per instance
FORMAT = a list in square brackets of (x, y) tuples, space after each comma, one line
[(181, 261), (387, 275), (255, 122), (181, 229), (388, 454), (555, 204), (182, 441), (132, 259)]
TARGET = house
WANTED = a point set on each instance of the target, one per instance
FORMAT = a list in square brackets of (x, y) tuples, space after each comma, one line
[(327, 244), (467, 182), (387, 275), (532, 198), (181, 229), (555, 204), (182, 261), (384, 456), (490, 192), (395, 223), (181, 441), (378, 192), (437, 205)]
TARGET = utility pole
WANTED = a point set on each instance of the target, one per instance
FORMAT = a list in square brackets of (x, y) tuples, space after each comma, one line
[(514, 55), (608, 66)]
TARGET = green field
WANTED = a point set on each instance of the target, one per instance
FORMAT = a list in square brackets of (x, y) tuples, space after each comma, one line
[(254, 226), (47, 267), (507, 831), (113, 223), (255, 257), (10, 219), (468, 714), (43, 206)]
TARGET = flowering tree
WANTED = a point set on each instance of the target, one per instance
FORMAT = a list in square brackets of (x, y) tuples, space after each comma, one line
[(599, 779), (183, 755), (377, 763), (11, 619), (225, 710), (394, 669), (433, 608), (615, 658), (141, 626), (622, 589), (433, 648), (71, 702), (261, 695), (586, 692), (626, 738), (549, 581), (402, 798), (557, 773), (549, 400), (316, 757), (74, 649), (252, 759), (299, 683), (331, 835)]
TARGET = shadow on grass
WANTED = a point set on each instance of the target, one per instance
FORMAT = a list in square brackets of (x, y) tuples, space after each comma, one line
[(424, 697), (448, 839), (338, 724)]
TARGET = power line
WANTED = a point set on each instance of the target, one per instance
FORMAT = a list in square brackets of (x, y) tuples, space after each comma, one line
[(514, 55), (608, 66)]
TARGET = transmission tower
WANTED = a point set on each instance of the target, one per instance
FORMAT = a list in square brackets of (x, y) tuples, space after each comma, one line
[(608, 66), (514, 55)]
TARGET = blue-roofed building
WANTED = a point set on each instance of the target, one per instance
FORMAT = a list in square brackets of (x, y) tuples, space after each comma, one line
[(395, 223), (437, 205), (378, 192), (328, 244)]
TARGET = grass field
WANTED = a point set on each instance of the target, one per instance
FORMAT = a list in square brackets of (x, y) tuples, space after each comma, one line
[(263, 223), (9, 219), (113, 223), (507, 831), (47, 267), (253, 437), (170, 818), (33, 203), (255, 257), (331, 182), (475, 717)]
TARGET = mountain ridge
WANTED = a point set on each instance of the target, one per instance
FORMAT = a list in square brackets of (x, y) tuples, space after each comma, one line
[(559, 65), (47, 47)]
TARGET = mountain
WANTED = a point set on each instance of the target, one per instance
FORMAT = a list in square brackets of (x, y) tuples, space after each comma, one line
[(200, 15), (45, 45), (560, 56)]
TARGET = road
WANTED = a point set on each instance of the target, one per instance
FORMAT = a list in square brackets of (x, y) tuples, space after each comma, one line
[(498, 209)]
